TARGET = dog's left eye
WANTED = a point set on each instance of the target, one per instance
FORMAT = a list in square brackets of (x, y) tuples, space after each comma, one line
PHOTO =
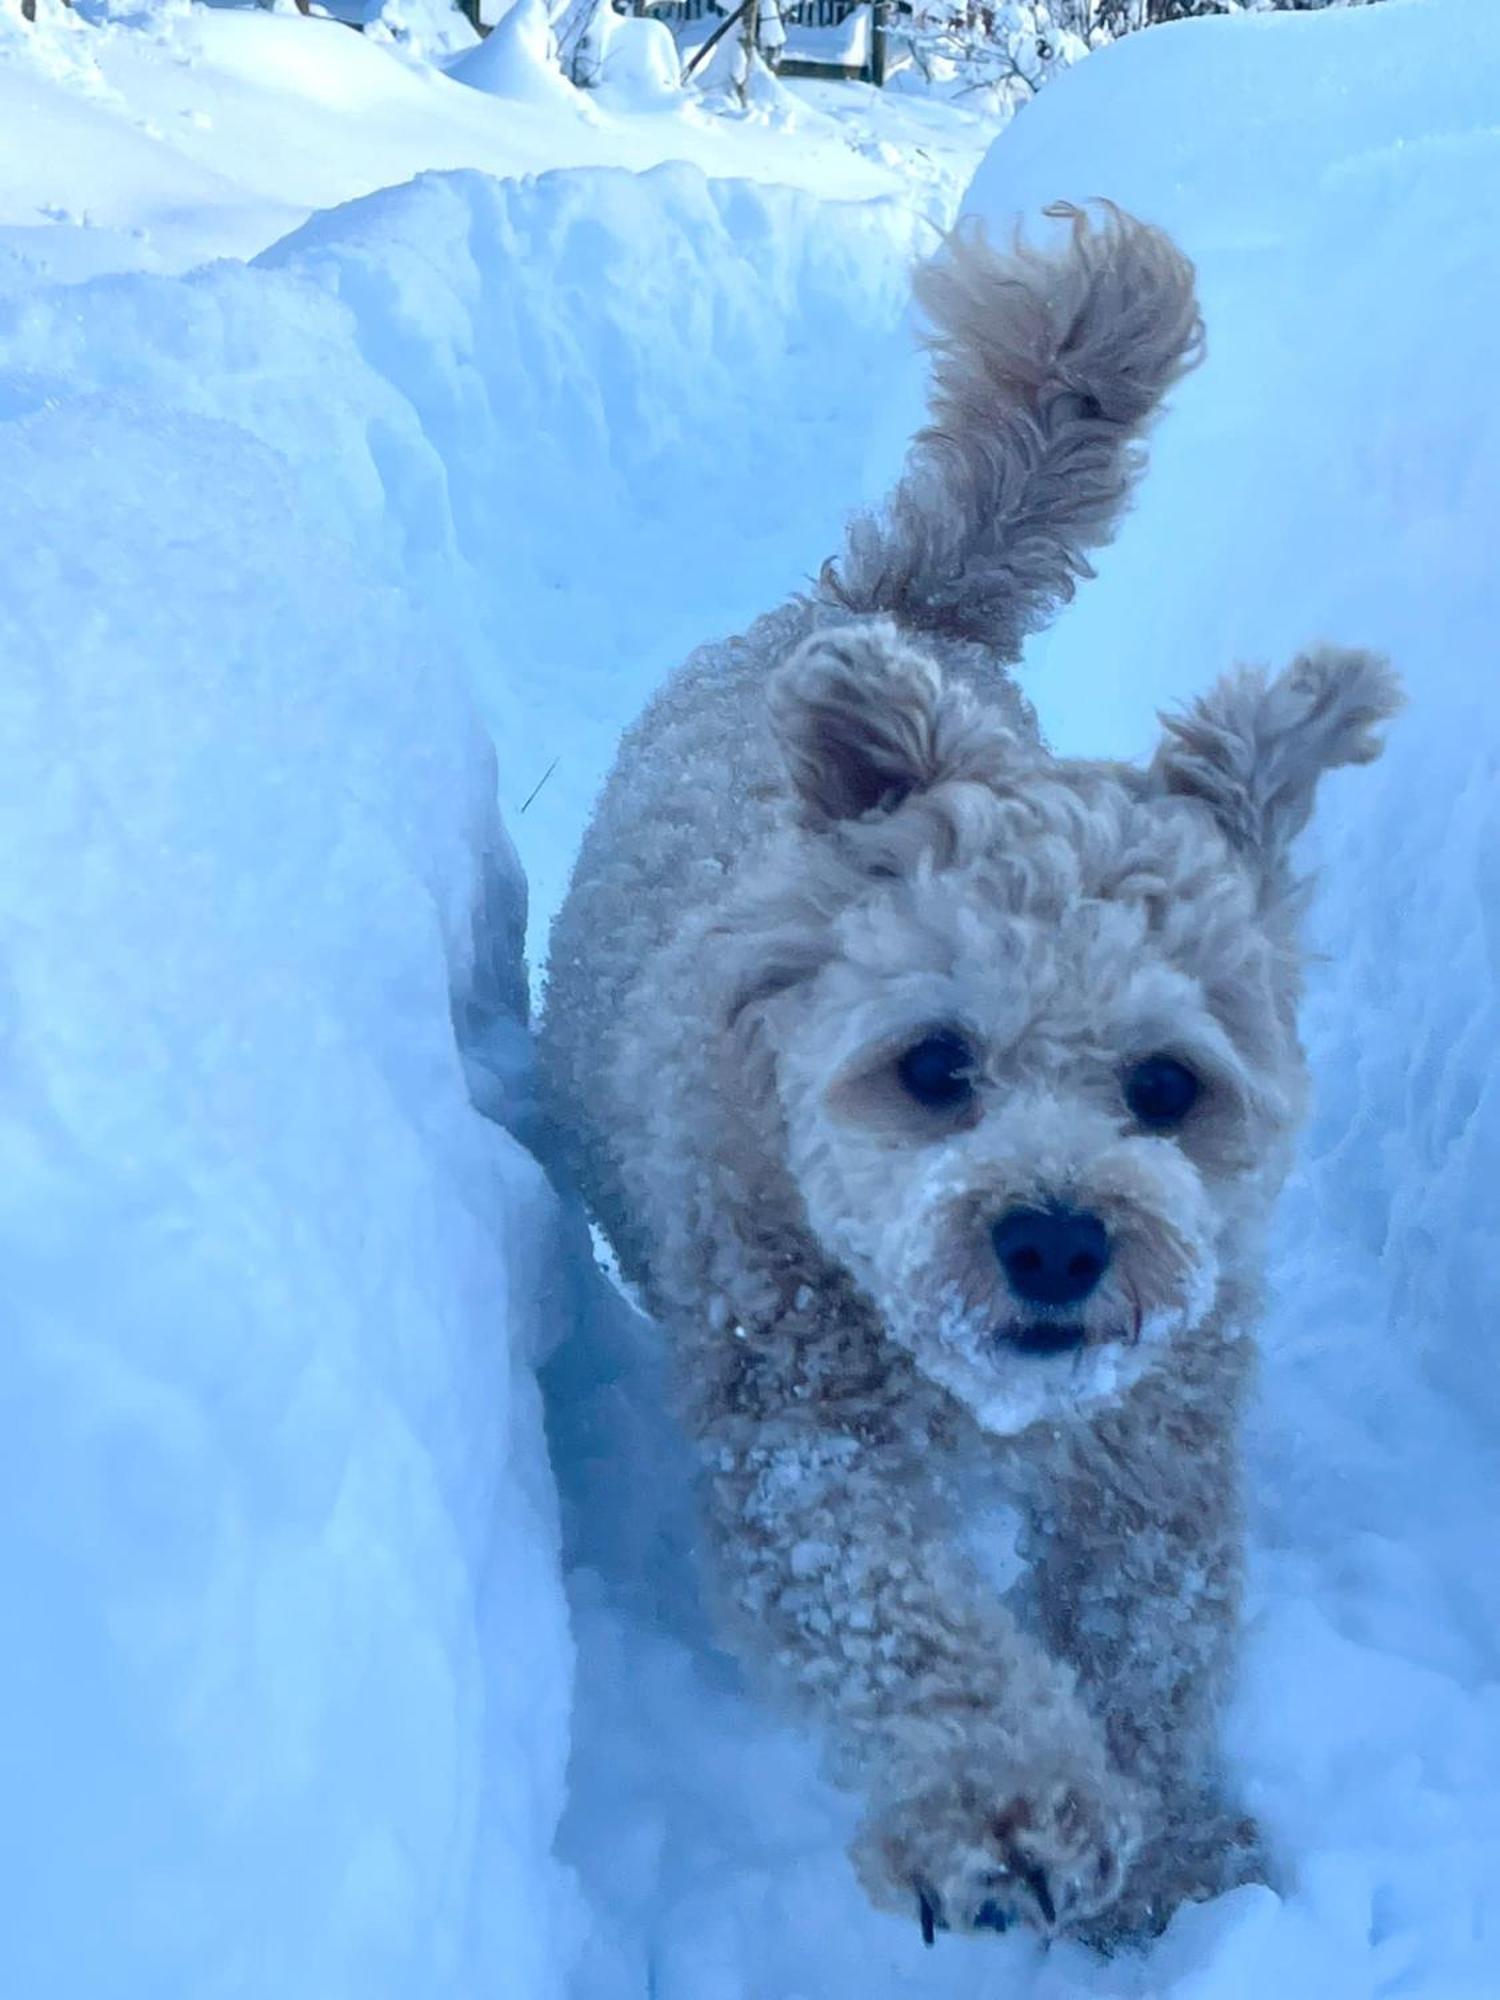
[(938, 1071), (1161, 1091)]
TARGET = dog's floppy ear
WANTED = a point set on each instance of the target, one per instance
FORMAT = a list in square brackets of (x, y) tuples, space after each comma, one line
[(1253, 750), (864, 720)]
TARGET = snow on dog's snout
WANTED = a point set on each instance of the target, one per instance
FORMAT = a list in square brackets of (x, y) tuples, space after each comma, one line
[(927, 1246)]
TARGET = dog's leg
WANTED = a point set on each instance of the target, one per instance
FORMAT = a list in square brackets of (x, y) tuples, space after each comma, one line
[(1137, 1581), (990, 1795)]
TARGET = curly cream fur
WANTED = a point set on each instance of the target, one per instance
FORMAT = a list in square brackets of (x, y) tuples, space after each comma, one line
[(1046, 371), (823, 840)]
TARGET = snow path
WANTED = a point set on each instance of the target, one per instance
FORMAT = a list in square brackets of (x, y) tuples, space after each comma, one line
[(1332, 471)]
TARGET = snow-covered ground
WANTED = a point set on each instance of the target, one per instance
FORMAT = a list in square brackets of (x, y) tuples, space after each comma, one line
[(288, 1682), (165, 133)]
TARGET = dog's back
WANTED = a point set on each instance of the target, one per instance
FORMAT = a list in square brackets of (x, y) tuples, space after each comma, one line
[(697, 785)]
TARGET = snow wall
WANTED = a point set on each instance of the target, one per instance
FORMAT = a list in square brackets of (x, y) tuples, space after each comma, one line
[(1334, 472), (285, 1688)]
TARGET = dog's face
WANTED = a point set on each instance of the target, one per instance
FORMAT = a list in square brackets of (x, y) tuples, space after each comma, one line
[(1032, 1024)]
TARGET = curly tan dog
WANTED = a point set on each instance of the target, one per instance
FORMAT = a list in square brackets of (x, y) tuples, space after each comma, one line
[(935, 1091)]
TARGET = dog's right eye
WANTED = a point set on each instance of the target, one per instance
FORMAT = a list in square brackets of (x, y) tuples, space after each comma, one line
[(1161, 1091), (938, 1071)]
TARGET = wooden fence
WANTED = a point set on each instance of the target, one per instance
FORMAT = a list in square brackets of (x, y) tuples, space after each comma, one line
[(815, 45), (813, 41)]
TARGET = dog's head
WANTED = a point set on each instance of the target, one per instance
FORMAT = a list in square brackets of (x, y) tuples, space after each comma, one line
[(1030, 1023)]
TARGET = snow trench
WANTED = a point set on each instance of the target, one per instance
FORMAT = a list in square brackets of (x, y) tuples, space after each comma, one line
[(304, 562)]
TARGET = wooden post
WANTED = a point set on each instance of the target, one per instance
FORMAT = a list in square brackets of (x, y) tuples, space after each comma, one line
[(878, 48), (752, 45)]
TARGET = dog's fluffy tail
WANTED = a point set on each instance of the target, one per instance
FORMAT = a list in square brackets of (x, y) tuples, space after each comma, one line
[(1047, 368)]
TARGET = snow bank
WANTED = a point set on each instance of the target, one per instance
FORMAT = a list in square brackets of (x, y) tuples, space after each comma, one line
[(625, 408), (151, 134), (1333, 471), (274, 1495), (287, 1673), (518, 60), (276, 1512)]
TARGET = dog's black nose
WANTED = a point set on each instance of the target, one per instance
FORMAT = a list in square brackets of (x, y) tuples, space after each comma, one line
[(1052, 1256)]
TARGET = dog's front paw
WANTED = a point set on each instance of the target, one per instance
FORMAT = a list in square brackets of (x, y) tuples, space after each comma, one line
[(1191, 1860), (1049, 1849)]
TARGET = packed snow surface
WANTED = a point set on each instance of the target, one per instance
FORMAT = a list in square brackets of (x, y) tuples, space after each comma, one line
[(288, 548)]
